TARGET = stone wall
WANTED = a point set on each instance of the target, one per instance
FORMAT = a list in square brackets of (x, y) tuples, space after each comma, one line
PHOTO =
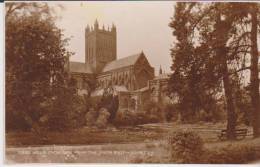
[(133, 101), (120, 77), (158, 88)]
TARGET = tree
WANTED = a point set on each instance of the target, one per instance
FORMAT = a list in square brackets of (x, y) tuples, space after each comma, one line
[(245, 16), (209, 45), (181, 54), (222, 35), (254, 74), (109, 101), (35, 57), (192, 67)]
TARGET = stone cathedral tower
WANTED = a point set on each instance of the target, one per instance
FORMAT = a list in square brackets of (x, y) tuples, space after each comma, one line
[(100, 46)]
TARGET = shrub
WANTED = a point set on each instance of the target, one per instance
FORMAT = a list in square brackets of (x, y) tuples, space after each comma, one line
[(154, 111), (171, 112), (91, 117), (144, 118), (127, 118), (57, 123), (103, 117), (185, 147), (151, 107), (77, 112)]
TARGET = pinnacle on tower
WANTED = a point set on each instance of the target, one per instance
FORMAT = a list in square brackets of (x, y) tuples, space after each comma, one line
[(87, 29), (96, 25), (160, 70), (113, 27)]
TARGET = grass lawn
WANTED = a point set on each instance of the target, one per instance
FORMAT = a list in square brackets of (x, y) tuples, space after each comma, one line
[(82, 136), (123, 145), (85, 135)]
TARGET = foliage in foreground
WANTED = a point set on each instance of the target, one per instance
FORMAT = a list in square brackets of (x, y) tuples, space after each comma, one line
[(212, 43), (126, 118), (37, 90), (185, 147)]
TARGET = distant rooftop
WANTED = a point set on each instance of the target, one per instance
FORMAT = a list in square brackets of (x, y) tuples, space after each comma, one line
[(80, 67), (142, 89), (123, 62)]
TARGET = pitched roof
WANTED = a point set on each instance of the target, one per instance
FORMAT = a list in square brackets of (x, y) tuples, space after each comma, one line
[(99, 92), (79, 67), (142, 89), (123, 62)]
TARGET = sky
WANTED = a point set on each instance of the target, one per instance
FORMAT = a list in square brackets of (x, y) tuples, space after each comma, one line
[(141, 26)]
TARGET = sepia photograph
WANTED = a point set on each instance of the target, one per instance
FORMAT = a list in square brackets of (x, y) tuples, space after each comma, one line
[(131, 82)]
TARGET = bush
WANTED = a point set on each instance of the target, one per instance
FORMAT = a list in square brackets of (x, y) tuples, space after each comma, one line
[(144, 118), (163, 111), (185, 147), (102, 119), (91, 117), (127, 118), (16, 121), (171, 112), (156, 111), (77, 112), (57, 123)]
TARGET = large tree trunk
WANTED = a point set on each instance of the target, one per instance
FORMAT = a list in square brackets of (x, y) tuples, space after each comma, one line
[(254, 86), (222, 30), (231, 115)]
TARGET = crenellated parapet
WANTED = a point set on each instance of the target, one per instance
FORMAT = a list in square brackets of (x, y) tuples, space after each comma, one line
[(100, 46), (96, 28)]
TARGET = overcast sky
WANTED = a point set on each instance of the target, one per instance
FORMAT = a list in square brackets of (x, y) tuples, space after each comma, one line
[(140, 26)]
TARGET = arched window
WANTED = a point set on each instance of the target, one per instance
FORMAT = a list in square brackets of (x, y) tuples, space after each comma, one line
[(125, 102), (126, 78), (119, 79), (132, 103), (153, 90), (116, 81)]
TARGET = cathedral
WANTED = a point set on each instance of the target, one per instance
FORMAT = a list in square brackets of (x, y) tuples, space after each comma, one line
[(131, 77), (130, 73)]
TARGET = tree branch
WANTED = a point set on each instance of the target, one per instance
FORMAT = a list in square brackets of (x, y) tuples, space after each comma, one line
[(11, 9), (239, 70)]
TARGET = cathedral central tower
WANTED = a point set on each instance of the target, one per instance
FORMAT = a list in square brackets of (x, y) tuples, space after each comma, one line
[(100, 46)]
